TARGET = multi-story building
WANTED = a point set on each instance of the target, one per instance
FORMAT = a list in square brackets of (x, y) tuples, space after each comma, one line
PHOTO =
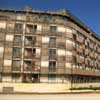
[(40, 47)]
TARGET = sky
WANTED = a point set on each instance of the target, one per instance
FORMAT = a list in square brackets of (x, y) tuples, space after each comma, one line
[(88, 11)]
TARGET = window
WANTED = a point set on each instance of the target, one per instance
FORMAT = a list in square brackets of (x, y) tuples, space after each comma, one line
[(28, 40), (35, 27), (17, 52), (53, 28), (16, 65), (28, 53), (52, 52), (27, 65), (18, 27), (6, 77), (16, 77), (52, 42), (52, 77), (52, 66), (31, 28), (8, 53), (17, 40)]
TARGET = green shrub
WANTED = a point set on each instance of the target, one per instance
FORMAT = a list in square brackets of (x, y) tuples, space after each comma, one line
[(86, 88)]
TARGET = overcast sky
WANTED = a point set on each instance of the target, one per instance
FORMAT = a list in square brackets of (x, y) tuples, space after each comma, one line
[(86, 10)]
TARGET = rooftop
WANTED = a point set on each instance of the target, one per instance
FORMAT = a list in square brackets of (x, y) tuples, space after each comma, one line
[(63, 12)]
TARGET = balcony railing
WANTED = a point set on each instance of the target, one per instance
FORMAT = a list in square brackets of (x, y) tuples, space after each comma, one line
[(80, 59), (80, 40), (80, 50), (70, 47), (69, 35), (79, 71)]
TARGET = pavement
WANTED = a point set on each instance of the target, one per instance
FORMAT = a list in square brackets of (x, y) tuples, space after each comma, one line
[(50, 97)]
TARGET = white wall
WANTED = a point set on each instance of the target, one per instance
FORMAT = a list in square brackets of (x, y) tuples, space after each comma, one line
[(6, 78), (69, 53), (9, 38), (61, 52), (68, 30), (3, 24), (60, 29), (7, 62), (44, 79), (38, 51), (39, 27), (45, 39), (44, 63), (1, 50)]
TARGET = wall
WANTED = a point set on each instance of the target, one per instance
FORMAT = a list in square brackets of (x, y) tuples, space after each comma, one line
[(36, 88)]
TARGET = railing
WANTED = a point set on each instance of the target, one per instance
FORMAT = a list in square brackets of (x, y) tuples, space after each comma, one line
[(70, 46), (7, 69), (16, 69), (80, 50), (33, 32), (2, 30), (17, 43), (70, 59), (80, 40), (69, 35), (80, 59), (53, 33), (61, 59), (79, 71)]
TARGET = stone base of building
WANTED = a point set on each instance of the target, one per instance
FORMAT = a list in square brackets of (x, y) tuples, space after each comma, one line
[(33, 88), (41, 87)]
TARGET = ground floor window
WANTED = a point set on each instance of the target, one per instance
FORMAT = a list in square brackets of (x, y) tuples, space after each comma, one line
[(52, 77)]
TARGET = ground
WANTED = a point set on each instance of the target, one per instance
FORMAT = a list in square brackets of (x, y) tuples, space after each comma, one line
[(50, 97)]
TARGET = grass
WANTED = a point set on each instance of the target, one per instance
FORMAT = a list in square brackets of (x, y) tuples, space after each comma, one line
[(86, 88)]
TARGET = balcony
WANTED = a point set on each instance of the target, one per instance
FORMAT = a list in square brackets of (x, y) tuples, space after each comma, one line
[(61, 59), (61, 45), (7, 69), (44, 70), (28, 53), (35, 68), (53, 57), (80, 40), (98, 50), (69, 35), (70, 59), (2, 30), (86, 51), (16, 65), (60, 70), (27, 66), (52, 45), (18, 28), (80, 59), (78, 71), (91, 46), (17, 40), (80, 50), (92, 55), (70, 47), (17, 53)]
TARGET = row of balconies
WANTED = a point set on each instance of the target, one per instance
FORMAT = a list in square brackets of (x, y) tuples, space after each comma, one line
[(73, 71)]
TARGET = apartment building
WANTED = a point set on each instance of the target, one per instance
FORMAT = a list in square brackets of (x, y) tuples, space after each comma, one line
[(47, 47)]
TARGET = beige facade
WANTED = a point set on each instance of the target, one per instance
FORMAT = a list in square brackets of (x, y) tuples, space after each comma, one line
[(40, 48)]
